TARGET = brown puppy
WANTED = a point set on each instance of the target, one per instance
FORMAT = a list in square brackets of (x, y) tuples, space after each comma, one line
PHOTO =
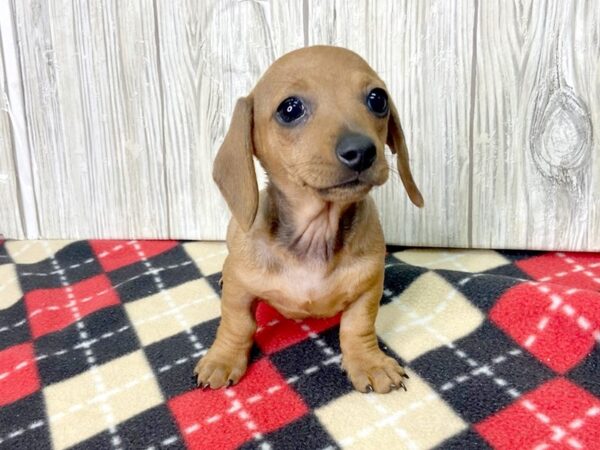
[(311, 243)]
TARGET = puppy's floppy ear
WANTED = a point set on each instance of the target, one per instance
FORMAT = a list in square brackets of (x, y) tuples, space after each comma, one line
[(397, 143), (233, 169)]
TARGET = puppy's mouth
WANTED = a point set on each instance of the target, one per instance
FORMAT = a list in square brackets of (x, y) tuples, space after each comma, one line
[(354, 183)]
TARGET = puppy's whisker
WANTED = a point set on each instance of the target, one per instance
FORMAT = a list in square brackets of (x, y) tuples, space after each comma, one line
[(393, 169), (311, 164)]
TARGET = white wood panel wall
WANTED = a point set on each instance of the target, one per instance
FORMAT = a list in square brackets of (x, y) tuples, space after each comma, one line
[(536, 158), (94, 117), (10, 210), (126, 104), (11, 132)]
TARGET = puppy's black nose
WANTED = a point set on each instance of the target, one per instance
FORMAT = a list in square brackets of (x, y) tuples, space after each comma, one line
[(356, 151)]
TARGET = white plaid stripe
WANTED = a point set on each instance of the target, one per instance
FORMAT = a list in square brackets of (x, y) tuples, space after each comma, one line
[(10, 293), (461, 354), (479, 369), (261, 328), (153, 271), (192, 250), (107, 253), (166, 295), (563, 307), (470, 261), (109, 334), (89, 298), (388, 421), (439, 308), (243, 414), (20, 431), (336, 359), (90, 358), (24, 249), (576, 267), (558, 304), (8, 283), (579, 422), (258, 397), (559, 433), (105, 396), (57, 417), (453, 258), (101, 255), (101, 397), (402, 433), (310, 333), (447, 257), (425, 322)]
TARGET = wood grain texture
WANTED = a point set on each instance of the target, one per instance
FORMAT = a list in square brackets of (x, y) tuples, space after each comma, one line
[(10, 211), (423, 51), (212, 52), (126, 104), (536, 156), (93, 109)]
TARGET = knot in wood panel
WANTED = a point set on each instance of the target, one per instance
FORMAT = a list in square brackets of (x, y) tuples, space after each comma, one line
[(561, 135)]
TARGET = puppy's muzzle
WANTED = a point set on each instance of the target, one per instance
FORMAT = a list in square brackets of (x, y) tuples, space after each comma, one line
[(356, 151)]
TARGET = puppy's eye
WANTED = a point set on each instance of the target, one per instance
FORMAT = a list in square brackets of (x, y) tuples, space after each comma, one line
[(377, 101), (290, 110)]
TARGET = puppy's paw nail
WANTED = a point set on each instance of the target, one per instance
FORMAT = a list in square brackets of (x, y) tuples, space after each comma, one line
[(405, 376), (200, 385), (369, 388), (229, 383), (403, 386)]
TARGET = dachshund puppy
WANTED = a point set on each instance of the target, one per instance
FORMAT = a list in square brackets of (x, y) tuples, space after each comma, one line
[(310, 244)]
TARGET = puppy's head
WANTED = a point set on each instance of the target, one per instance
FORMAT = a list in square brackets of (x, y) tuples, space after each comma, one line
[(318, 119)]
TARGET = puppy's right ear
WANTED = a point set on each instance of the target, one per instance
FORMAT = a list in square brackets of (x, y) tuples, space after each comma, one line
[(233, 169)]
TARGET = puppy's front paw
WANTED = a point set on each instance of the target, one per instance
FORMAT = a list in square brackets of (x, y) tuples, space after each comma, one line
[(374, 371), (218, 370)]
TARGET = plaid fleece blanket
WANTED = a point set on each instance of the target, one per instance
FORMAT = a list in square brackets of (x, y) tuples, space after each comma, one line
[(98, 341)]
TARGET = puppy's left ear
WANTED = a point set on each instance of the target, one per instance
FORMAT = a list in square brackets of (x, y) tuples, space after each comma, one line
[(233, 169), (397, 143)]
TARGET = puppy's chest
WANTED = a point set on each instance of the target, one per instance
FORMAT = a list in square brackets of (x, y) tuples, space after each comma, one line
[(309, 291), (306, 282)]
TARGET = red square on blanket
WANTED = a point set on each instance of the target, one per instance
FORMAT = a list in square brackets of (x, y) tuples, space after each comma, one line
[(558, 414), (54, 309), (18, 373), (558, 325), (275, 332), (116, 254), (226, 418), (579, 270)]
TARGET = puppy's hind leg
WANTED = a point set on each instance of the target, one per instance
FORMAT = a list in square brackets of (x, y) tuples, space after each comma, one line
[(226, 361), (368, 368)]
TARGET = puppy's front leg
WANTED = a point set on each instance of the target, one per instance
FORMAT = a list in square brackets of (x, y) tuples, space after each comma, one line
[(367, 366), (227, 359)]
